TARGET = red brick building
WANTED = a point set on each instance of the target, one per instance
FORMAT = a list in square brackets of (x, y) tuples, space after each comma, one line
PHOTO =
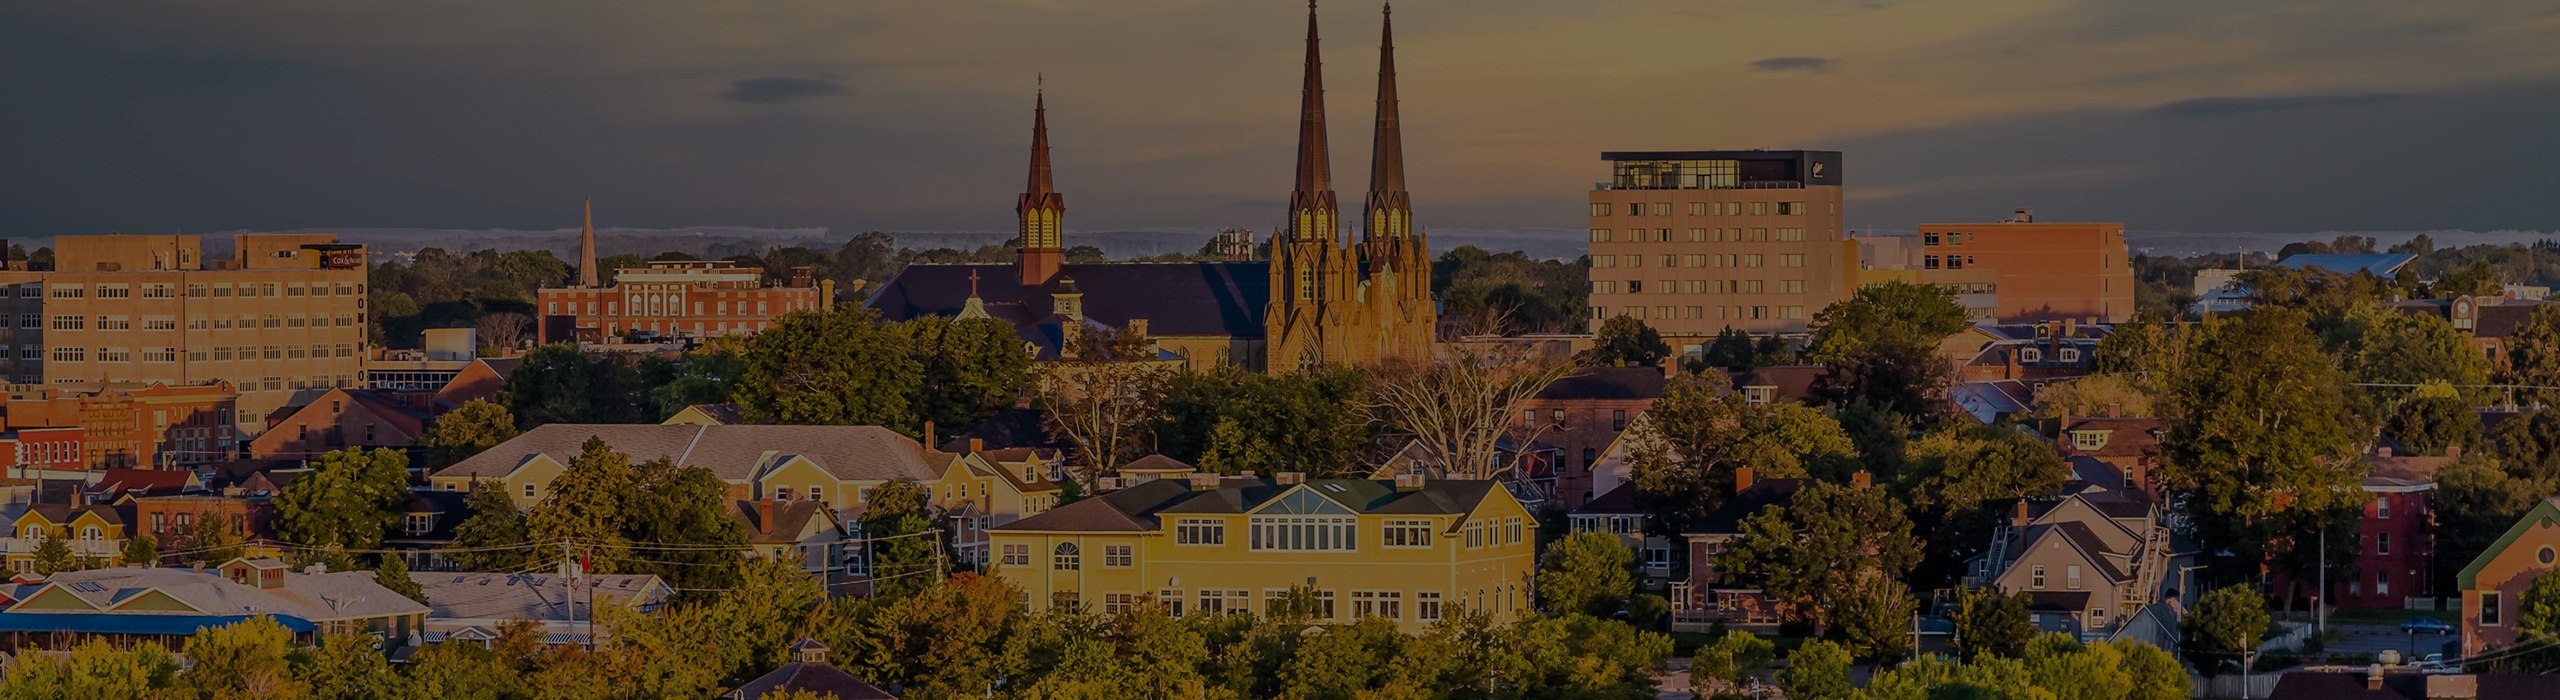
[(46, 448), (676, 298), (1583, 415), (131, 424), (346, 418), (2395, 557)]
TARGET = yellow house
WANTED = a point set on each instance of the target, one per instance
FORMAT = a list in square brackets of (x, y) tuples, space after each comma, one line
[(1404, 550), (93, 531)]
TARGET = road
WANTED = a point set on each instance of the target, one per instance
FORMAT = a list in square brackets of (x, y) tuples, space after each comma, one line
[(2370, 639)]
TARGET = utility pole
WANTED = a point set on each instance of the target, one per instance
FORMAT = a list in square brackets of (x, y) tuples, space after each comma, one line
[(2319, 617)]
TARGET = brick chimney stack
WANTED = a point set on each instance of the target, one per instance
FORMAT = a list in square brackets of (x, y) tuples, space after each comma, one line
[(2019, 518), (1741, 479), (764, 516), (1861, 480)]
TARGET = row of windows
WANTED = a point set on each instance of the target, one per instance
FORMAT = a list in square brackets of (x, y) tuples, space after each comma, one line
[(1702, 235), (114, 322), (1928, 238), (1952, 262), (1695, 287), (656, 305), (1617, 423), (1704, 208), (195, 290), (218, 353), (1388, 605), (1669, 313), (1716, 260)]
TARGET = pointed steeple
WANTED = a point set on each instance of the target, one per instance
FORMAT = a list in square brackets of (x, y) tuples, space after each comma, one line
[(1311, 204), (1389, 211), (587, 276), (1040, 208)]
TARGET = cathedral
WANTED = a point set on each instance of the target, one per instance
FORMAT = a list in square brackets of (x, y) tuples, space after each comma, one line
[(1321, 299)]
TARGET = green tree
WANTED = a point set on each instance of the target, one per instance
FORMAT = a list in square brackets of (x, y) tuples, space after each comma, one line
[(762, 616), (350, 500), (1811, 553), (217, 538), (495, 537), (2429, 424), (553, 384), (703, 375), (1233, 450), (241, 656), (833, 367), (1227, 420), (1625, 341), (1876, 618), (586, 506), (903, 566), (1104, 394), (2537, 627), (2151, 672), (2476, 280), (1589, 573), (2533, 355), (2261, 429), (1685, 452), (2227, 623), (345, 667), (393, 573), (2094, 395), (2143, 345), (684, 512), (1992, 624), (2403, 348), (53, 555), (1731, 351), (1737, 658), (969, 367), (141, 549), (94, 670), (1908, 377), (1956, 475), (465, 431), (1892, 313), (1819, 670)]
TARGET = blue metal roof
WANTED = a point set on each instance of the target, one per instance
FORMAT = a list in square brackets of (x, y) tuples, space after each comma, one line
[(2384, 264), (107, 623)]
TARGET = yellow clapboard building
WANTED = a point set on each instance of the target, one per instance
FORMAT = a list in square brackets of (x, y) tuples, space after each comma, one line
[(1408, 549)]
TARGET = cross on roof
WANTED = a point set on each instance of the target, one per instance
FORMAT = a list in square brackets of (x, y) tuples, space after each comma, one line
[(973, 284)]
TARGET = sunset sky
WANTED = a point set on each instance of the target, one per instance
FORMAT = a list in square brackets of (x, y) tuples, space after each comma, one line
[(2166, 115)]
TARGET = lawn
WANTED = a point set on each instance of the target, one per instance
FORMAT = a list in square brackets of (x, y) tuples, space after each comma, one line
[(2388, 617)]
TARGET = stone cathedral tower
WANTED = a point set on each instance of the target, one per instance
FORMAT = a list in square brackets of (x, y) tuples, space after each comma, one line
[(1333, 301)]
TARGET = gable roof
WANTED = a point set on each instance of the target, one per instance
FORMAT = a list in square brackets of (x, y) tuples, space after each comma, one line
[(790, 519), (343, 595), (819, 678), (1618, 501), (455, 595), (1137, 508), (2546, 512), (1727, 519), (1792, 382), (1176, 299), (732, 452), (1597, 383), (145, 482)]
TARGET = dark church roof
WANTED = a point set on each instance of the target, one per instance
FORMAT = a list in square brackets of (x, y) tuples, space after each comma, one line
[(1211, 299)]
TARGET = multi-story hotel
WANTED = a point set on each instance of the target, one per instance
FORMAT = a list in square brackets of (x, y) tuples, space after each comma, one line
[(671, 298), (1692, 242), (285, 320), (1402, 550)]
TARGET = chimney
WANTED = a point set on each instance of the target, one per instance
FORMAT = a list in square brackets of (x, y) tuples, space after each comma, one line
[(2071, 328), (1138, 327), (197, 567), (1287, 478), (1204, 482), (1671, 366), (2373, 677), (977, 445), (2115, 410), (2019, 518), (1741, 479), (2383, 451), (2011, 355), (764, 516), (1861, 480), (2453, 452), (929, 444), (1408, 482)]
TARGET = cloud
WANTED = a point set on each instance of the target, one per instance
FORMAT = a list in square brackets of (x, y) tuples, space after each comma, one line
[(1807, 64), (780, 90), (2227, 106)]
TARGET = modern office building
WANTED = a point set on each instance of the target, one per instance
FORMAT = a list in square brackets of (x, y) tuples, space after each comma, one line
[(284, 320), (1692, 242)]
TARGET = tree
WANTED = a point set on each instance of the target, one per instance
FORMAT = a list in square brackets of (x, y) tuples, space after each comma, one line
[(833, 367), (1731, 351), (1684, 452), (2401, 348), (2096, 394), (2429, 424), (1877, 617), (1461, 410), (2533, 355), (1992, 624), (393, 573), (2529, 445), (706, 374), (1811, 554), (53, 555), (1589, 573), (246, 659), (553, 384), (217, 538), (903, 566), (93, 670), (684, 514), (2474, 502), (467, 430), (2142, 346), (140, 549), (1908, 377), (586, 506), (1737, 658), (507, 330), (2069, 669), (2151, 673), (1956, 475), (2227, 623), (1819, 670), (1625, 341), (968, 367), (2538, 626), (1105, 391), (351, 500), (1892, 313), (1227, 420), (495, 537), (2261, 429)]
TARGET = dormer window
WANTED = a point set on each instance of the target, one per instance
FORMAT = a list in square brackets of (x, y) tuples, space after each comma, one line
[(2071, 354), (2089, 440), (418, 523), (1759, 395), (2030, 355)]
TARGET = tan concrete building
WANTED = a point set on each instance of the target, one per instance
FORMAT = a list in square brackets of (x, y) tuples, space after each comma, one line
[(284, 319), (1694, 241)]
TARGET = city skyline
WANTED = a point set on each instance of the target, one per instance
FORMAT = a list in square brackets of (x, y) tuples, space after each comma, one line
[(2199, 118)]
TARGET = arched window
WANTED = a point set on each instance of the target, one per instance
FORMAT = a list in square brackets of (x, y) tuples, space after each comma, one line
[(1067, 557)]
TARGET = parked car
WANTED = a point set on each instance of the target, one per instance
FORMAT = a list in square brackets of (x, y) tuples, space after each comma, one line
[(2426, 625)]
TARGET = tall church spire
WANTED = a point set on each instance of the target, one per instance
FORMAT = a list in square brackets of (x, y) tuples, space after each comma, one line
[(1040, 208), (1389, 211), (1311, 204), (587, 276)]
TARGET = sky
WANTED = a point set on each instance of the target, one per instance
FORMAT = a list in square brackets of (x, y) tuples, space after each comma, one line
[(150, 116)]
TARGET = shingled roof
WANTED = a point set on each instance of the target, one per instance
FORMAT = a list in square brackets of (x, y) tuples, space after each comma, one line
[(1607, 383), (1137, 508), (732, 452), (1200, 299)]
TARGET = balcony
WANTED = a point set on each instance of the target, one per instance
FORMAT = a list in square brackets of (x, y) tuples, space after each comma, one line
[(26, 546)]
